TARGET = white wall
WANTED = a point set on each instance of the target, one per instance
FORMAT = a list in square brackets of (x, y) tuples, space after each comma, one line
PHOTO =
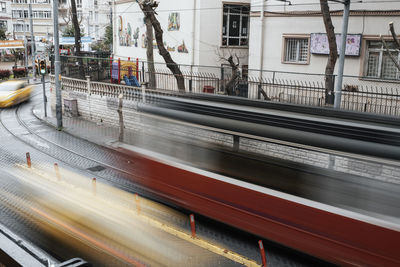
[(206, 47), (131, 13), (275, 27)]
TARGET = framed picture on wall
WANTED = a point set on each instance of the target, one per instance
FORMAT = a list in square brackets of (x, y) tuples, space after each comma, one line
[(320, 45)]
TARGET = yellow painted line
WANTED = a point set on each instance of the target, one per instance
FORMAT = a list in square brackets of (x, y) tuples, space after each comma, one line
[(159, 225)]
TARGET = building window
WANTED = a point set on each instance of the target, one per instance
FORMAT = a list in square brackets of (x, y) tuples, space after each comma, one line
[(79, 3), (378, 63), (235, 27), (3, 7), (40, 1), (3, 24), (19, 1), (19, 14), (41, 14), (20, 27), (296, 50)]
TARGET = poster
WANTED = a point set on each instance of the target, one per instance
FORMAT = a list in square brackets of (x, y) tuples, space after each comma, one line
[(319, 44), (174, 23)]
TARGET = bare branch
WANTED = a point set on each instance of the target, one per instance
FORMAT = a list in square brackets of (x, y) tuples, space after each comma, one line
[(396, 63), (391, 27)]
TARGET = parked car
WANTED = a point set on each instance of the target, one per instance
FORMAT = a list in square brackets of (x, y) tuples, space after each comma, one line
[(14, 92)]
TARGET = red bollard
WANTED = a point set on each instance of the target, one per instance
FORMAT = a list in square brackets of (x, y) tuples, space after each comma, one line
[(57, 171), (137, 69), (137, 203), (94, 186), (111, 69), (28, 159), (262, 252), (193, 226), (119, 71)]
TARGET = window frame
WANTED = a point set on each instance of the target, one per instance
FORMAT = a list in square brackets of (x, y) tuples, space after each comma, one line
[(3, 7), (240, 25), (381, 50), (284, 43)]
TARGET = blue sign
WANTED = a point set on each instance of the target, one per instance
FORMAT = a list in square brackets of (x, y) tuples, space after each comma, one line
[(71, 40)]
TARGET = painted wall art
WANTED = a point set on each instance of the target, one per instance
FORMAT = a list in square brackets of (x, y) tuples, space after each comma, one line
[(171, 49), (124, 33), (320, 45), (174, 23), (136, 37), (182, 48)]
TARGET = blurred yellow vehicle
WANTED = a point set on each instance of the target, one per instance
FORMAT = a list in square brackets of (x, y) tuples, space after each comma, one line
[(14, 92)]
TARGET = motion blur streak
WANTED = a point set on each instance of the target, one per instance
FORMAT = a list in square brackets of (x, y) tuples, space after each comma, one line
[(104, 221), (88, 238)]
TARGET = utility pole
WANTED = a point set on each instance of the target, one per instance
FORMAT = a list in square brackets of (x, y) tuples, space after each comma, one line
[(25, 44), (33, 44), (112, 30), (57, 66), (339, 82)]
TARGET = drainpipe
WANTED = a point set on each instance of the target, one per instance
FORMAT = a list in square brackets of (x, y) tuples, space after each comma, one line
[(261, 43), (193, 33), (115, 28), (262, 37)]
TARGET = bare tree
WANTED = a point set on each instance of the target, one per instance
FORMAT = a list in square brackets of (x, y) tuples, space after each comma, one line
[(231, 84), (77, 33), (333, 54), (396, 41), (77, 29), (148, 7), (149, 54)]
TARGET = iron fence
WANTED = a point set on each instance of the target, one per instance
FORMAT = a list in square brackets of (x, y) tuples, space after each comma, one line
[(358, 93)]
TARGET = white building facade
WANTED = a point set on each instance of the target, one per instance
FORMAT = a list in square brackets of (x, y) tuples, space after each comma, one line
[(93, 16), (196, 32), (42, 19), (293, 38), (5, 17)]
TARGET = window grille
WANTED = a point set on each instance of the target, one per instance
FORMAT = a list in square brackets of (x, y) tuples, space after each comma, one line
[(296, 50), (235, 25), (378, 63)]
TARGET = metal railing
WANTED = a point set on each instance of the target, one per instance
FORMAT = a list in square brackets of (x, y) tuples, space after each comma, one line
[(358, 93)]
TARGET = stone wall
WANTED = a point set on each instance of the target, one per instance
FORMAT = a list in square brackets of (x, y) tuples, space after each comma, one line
[(98, 102)]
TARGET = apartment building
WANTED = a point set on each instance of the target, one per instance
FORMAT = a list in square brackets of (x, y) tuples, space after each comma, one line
[(290, 36), (93, 16), (42, 19), (5, 17)]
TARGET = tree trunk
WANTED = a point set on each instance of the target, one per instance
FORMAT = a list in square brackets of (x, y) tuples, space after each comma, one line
[(333, 54), (77, 34), (150, 14), (394, 36), (150, 55), (396, 41), (235, 75)]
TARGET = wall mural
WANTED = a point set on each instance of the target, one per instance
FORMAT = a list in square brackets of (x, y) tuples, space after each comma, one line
[(174, 23), (136, 36), (171, 49), (144, 40), (124, 33), (182, 48)]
